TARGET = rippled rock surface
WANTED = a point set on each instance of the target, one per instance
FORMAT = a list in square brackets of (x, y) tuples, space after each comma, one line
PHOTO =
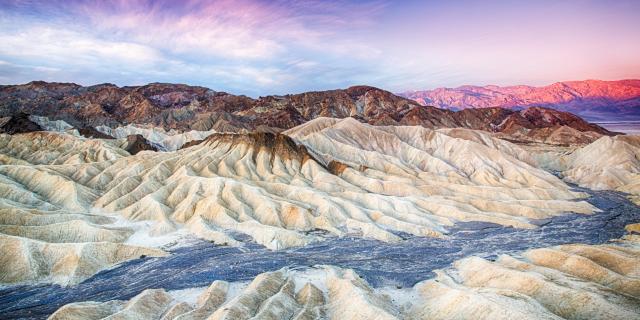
[(382, 265), (381, 207), (562, 282), (61, 192)]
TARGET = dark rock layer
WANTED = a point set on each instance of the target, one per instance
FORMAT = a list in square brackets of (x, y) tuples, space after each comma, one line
[(137, 143), (19, 123)]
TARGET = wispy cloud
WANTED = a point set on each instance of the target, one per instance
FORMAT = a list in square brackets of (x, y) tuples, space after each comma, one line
[(241, 45), (63, 46), (257, 47)]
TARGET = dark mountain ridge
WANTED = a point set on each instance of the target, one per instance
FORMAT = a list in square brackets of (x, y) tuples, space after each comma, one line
[(183, 107)]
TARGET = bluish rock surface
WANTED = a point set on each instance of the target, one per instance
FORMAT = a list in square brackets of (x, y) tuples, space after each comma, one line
[(399, 264)]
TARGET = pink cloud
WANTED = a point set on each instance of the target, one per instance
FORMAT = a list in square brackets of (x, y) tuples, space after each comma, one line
[(240, 29)]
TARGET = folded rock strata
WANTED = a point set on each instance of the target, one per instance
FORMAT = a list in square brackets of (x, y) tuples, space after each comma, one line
[(54, 148), (334, 293), (340, 176), (25, 259), (47, 232), (609, 163), (564, 282), (169, 140)]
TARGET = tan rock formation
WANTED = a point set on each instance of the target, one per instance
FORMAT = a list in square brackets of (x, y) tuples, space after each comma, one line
[(273, 187), (563, 282)]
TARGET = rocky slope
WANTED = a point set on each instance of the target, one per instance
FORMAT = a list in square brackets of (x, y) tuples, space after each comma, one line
[(610, 163), (54, 148), (167, 140), (592, 99), (47, 232), (185, 108), (136, 143), (135, 138), (18, 123), (564, 282), (339, 176)]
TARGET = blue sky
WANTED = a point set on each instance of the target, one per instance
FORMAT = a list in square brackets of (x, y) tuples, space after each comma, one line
[(274, 47)]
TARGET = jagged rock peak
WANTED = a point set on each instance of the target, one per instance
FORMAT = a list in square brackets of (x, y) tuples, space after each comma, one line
[(274, 143), (136, 143)]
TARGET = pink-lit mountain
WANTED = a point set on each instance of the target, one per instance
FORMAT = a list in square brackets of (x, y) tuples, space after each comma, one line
[(591, 99)]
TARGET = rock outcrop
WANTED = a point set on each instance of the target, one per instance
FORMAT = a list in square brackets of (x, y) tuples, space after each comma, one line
[(48, 125), (91, 132), (136, 143), (18, 123)]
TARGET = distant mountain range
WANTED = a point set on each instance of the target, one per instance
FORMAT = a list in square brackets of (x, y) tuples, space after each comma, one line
[(594, 100), (183, 107)]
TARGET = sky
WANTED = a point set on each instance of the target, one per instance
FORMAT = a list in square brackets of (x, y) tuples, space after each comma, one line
[(258, 48)]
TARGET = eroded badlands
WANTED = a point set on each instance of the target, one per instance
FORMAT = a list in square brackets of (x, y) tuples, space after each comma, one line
[(563, 282), (609, 163), (63, 195)]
